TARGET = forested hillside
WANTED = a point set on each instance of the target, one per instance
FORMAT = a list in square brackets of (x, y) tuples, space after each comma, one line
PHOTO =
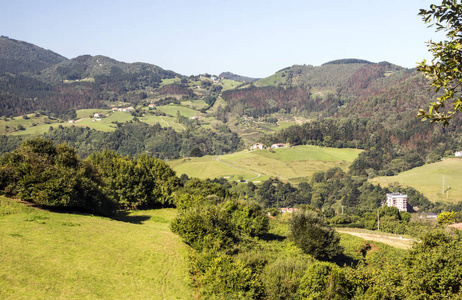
[(33, 79), (136, 138), (344, 103), (17, 57)]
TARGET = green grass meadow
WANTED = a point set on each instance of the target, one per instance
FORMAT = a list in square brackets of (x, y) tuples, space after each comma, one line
[(172, 110), (46, 255), (229, 84), (10, 125), (428, 179), (208, 167), (285, 163)]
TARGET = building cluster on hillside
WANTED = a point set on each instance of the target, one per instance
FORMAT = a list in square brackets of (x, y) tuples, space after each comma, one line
[(123, 108), (261, 146), (287, 209)]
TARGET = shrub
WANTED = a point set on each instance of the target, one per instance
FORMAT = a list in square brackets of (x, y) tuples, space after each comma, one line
[(282, 278), (433, 268), (53, 176), (229, 278), (204, 227), (324, 280), (311, 233)]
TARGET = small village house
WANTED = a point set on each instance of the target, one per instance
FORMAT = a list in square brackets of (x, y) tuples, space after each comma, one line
[(275, 146), (71, 121), (458, 154), (258, 146), (97, 115), (126, 109), (288, 210)]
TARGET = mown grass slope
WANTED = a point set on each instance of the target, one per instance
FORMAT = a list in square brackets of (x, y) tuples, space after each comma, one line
[(209, 167), (428, 180), (46, 255), (285, 163)]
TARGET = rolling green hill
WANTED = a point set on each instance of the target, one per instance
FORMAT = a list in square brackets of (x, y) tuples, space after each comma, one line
[(235, 77), (428, 180), (48, 255), (285, 163)]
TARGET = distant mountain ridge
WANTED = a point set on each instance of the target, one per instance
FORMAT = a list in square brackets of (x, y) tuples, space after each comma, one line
[(345, 61), (32, 78), (18, 56), (235, 77)]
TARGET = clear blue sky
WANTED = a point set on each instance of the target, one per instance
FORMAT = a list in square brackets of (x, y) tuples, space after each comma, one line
[(248, 37)]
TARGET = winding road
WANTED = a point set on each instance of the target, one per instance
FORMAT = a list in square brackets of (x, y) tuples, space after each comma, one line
[(231, 166)]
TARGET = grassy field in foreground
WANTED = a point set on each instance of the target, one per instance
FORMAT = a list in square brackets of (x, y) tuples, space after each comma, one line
[(428, 180), (47, 255), (285, 163)]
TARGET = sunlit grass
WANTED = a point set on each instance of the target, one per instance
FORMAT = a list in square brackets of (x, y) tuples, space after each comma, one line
[(428, 180), (286, 163), (48, 255), (172, 110)]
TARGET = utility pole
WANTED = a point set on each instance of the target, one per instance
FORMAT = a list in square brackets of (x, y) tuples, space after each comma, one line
[(378, 220), (342, 209), (443, 185)]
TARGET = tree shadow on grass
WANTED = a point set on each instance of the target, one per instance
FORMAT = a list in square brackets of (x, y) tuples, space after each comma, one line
[(124, 216), (345, 260), (272, 237)]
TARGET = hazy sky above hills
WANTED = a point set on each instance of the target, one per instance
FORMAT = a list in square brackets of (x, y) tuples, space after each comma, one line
[(249, 37)]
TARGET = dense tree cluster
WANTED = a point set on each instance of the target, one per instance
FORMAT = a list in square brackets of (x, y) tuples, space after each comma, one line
[(175, 89), (54, 176), (259, 101), (21, 94), (136, 138)]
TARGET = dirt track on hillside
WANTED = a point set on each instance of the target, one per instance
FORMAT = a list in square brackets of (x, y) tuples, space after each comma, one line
[(392, 240)]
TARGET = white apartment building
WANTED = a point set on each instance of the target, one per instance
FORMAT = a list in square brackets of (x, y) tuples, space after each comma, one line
[(397, 200)]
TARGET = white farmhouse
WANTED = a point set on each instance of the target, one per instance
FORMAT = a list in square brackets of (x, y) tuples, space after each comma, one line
[(258, 146), (275, 146)]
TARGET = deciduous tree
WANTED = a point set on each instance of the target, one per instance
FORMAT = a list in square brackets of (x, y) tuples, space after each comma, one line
[(445, 69)]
